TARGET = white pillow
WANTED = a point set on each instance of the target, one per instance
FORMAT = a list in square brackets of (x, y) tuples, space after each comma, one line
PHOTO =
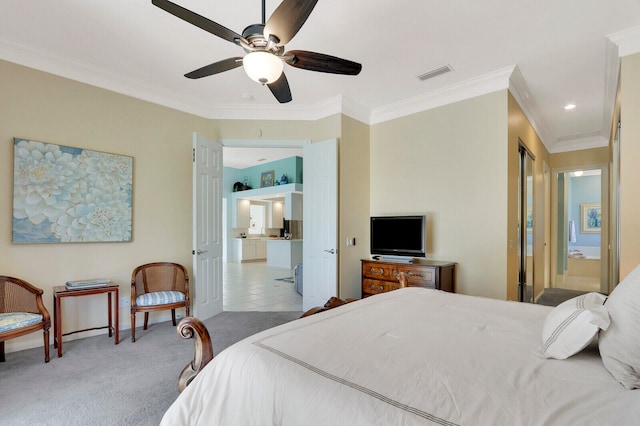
[(573, 324), (620, 344)]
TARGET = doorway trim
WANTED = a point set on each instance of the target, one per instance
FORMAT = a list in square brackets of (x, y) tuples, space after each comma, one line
[(605, 285)]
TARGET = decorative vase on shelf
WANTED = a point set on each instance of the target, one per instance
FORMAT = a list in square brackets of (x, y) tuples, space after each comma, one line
[(284, 180)]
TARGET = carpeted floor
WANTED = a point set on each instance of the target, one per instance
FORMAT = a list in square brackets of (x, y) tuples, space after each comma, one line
[(99, 383), (555, 296)]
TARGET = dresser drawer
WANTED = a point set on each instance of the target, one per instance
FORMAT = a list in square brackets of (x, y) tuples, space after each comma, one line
[(419, 276), (370, 286), (377, 272)]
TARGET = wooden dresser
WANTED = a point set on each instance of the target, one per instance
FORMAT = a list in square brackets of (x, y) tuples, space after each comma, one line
[(379, 276)]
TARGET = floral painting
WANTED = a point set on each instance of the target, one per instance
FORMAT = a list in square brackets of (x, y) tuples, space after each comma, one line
[(591, 217), (63, 194)]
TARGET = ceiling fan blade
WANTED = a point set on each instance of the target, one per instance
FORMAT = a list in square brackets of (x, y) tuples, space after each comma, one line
[(197, 20), (323, 63), (215, 68), (280, 89), (287, 19)]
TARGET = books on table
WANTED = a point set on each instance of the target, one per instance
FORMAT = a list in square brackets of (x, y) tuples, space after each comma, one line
[(95, 282)]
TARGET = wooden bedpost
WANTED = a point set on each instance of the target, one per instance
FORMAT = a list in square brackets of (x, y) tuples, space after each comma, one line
[(191, 327)]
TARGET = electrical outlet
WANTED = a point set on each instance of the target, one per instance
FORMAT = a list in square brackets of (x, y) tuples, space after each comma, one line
[(125, 302)]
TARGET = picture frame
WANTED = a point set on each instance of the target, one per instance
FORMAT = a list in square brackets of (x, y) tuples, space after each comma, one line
[(267, 178), (64, 194), (529, 219), (590, 218)]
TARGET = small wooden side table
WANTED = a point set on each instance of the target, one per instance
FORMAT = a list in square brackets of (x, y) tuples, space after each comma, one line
[(60, 292)]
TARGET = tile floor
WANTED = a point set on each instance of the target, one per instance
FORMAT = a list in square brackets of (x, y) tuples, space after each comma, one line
[(574, 282), (252, 286)]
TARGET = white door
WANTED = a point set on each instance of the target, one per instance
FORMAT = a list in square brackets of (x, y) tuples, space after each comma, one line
[(320, 225), (207, 227)]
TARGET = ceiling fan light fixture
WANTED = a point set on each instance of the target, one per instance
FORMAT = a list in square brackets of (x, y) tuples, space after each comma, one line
[(263, 67)]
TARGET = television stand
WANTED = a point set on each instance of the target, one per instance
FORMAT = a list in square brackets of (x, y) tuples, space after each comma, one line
[(380, 276)]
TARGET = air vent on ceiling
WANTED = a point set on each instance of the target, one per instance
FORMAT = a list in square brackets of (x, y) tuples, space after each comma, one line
[(435, 73)]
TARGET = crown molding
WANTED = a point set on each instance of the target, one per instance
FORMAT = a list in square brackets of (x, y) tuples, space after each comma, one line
[(579, 143), (66, 67), (467, 89), (356, 110), (336, 105), (520, 91), (316, 111), (628, 41), (611, 79)]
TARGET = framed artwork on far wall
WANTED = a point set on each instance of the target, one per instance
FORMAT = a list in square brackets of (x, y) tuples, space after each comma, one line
[(266, 179), (63, 194), (590, 218)]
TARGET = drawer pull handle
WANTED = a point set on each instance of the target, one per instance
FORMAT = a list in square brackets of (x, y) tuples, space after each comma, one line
[(373, 286), (380, 288), (409, 274), (377, 271)]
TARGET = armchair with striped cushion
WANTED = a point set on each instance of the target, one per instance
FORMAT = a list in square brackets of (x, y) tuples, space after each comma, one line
[(158, 286), (22, 312)]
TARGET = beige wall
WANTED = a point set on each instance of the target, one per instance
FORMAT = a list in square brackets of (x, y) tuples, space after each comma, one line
[(450, 163), (629, 164), (354, 204), (521, 131), (46, 108), (583, 157), (319, 130)]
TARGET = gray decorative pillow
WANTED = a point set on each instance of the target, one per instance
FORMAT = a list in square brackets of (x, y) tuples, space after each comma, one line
[(620, 343), (572, 325)]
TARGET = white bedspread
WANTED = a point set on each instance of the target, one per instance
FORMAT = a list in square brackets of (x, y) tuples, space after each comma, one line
[(410, 356)]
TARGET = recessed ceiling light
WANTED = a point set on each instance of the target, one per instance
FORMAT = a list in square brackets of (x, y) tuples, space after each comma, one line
[(569, 106)]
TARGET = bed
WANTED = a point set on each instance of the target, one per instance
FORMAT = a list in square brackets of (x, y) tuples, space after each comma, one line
[(407, 357)]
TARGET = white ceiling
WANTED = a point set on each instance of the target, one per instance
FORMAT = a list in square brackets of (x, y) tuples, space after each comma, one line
[(563, 51)]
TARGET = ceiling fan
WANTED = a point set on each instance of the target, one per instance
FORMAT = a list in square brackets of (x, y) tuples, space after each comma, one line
[(264, 45)]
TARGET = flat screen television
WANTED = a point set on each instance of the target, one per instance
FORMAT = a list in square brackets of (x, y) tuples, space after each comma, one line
[(398, 236)]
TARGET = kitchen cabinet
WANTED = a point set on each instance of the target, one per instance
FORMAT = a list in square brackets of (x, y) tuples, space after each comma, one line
[(275, 218), (261, 250), (242, 216), (250, 249), (293, 206), (284, 253)]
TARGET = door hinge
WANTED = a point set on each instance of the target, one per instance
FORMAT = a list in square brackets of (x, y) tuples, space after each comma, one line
[(193, 150)]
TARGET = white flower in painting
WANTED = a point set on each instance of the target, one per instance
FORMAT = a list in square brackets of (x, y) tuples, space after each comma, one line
[(104, 215), (46, 182), (110, 168)]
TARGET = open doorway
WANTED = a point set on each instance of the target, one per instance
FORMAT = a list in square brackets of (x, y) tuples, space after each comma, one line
[(580, 243), (254, 224)]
